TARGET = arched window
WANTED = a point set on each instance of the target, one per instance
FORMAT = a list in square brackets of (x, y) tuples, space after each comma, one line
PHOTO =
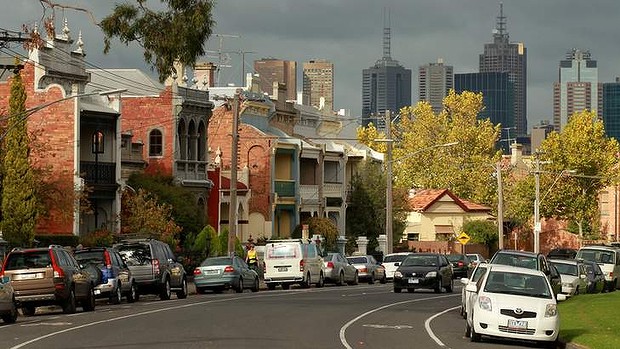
[(156, 147)]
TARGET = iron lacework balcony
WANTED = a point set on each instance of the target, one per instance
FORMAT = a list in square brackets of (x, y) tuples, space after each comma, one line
[(285, 188), (98, 172)]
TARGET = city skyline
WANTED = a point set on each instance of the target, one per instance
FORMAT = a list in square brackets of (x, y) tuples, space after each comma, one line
[(349, 35)]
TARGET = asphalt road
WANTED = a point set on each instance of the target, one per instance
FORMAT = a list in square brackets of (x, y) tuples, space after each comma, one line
[(363, 316)]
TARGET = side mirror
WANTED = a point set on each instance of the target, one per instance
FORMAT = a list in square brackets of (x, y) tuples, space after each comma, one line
[(471, 287), (561, 297), (396, 264), (464, 281)]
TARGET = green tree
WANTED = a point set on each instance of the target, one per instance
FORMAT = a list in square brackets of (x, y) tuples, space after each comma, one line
[(19, 199), (581, 147), (177, 33), (481, 232), (320, 226)]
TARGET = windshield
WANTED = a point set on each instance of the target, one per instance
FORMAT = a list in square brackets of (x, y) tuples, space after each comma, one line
[(357, 260), (481, 270), (275, 251), (517, 284), (420, 261), (597, 256), (566, 269), (529, 262), (394, 258), (27, 260), (455, 257), (94, 257), (138, 254), (216, 261)]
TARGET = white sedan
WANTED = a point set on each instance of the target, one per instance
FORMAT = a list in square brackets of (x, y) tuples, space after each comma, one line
[(573, 274), (480, 270), (392, 261), (514, 303)]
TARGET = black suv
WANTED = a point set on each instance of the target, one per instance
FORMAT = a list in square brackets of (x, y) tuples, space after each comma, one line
[(154, 267), (48, 276)]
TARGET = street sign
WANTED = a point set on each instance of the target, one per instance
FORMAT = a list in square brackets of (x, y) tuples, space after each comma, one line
[(463, 238)]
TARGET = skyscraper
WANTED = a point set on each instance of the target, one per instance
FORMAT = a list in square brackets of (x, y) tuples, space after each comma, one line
[(497, 97), (385, 86), (318, 84), (611, 108), (578, 88), (504, 56), (435, 81), (273, 70)]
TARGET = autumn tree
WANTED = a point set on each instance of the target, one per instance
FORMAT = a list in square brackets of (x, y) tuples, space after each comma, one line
[(19, 198), (592, 159)]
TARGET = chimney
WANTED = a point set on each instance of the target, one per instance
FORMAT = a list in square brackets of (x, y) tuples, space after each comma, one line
[(204, 74), (517, 153)]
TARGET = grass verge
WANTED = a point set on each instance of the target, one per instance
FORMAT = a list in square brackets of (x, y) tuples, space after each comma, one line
[(591, 320)]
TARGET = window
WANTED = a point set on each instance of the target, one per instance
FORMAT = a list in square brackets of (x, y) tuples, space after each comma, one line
[(413, 237), (156, 147)]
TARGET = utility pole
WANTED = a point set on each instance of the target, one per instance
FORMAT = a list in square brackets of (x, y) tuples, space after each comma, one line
[(232, 212), (500, 207), (388, 184), (537, 225)]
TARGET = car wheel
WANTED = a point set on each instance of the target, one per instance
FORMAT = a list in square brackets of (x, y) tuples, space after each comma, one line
[(411, 290), (182, 294), (132, 296), (307, 282), (271, 286), (28, 310), (372, 279), (321, 282), (89, 303), (340, 281), (397, 290), (165, 293), (239, 288), (68, 307), (450, 286), (255, 287), (285, 286), (356, 280), (11, 317), (117, 295)]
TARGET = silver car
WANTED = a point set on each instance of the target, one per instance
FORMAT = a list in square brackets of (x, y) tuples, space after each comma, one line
[(368, 269), (8, 308), (222, 273), (573, 274), (339, 270)]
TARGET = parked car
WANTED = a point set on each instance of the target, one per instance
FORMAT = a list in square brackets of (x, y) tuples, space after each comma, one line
[(116, 280), (461, 265), (478, 272), (595, 277), (48, 276), (339, 270), (530, 260), (424, 270), (154, 267), (368, 269), (513, 302), (292, 261), (573, 274), (392, 261), (8, 305), (475, 258), (222, 273), (608, 258), (562, 253)]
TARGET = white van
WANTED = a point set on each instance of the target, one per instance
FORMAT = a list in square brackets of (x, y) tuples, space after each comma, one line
[(608, 258), (292, 261)]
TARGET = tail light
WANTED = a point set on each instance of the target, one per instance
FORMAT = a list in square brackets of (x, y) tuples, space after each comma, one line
[(330, 265), (301, 265), (364, 270), (107, 259), (197, 271), (58, 273), (155, 266), (460, 264), (229, 269)]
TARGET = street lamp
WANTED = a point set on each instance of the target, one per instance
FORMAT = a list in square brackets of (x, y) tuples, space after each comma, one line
[(388, 184)]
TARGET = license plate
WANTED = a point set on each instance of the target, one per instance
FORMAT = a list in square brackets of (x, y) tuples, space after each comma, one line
[(212, 272), (31, 276), (518, 324), (413, 281), (282, 269)]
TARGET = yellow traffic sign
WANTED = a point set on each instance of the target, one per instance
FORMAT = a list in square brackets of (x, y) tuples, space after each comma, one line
[(463, 238)]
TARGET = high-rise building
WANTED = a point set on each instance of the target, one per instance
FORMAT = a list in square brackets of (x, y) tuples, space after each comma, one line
[(578, 88), (435, 80), (385, 86), (539, 134), (504, 56), (273, 70), (497, 96), (318, 84), (611, 108)]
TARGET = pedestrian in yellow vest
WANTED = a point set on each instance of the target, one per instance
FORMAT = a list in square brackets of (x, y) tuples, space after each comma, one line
[(251, 258)]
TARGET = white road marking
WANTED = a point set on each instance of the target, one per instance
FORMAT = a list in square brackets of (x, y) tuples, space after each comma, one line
[(47, 324), (395, 327), (427, 325), (343, 329)]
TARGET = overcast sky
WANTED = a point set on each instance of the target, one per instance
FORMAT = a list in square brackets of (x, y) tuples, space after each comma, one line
[(349, 33)]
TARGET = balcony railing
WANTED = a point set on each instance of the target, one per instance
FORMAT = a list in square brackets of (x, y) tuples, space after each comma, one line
[(285, 188), (333, 190), (191, 170), (309, 193), (98, 172)]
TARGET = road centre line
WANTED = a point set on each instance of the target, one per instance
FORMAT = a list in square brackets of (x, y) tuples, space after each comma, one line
[(343, 329), (427, 325), (149, 312)]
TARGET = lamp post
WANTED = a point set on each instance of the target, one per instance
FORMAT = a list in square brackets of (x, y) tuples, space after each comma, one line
[(500, 207), (388, 181)]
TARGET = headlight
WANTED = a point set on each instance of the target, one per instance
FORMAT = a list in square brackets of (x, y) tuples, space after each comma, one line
[(485, 303), (398, 274), (431, 274), (552, 310)]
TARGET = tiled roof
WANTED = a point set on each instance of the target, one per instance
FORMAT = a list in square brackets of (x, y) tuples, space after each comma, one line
[(425, 198)]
